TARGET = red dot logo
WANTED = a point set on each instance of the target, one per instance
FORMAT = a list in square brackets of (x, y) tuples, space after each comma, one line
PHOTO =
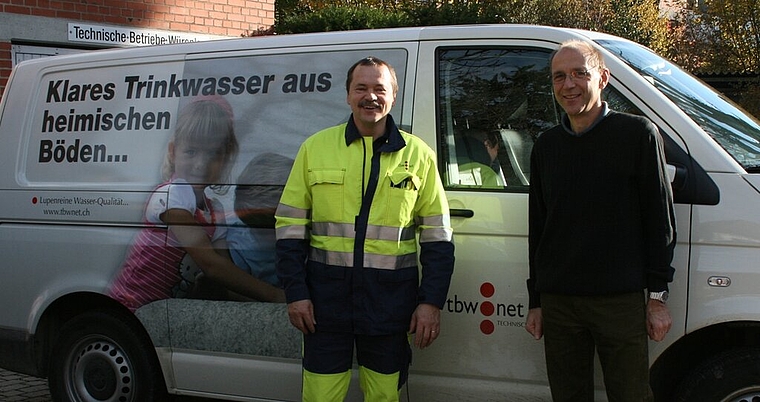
[(34, 200), (486, 308), (486, 327), (487, 289)]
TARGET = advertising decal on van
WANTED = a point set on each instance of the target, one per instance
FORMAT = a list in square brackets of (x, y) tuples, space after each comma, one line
[(106, 118), (495, 313), (144, 127), (111, 125)]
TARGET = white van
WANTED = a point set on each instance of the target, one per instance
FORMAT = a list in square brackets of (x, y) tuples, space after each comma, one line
[(82, 140)]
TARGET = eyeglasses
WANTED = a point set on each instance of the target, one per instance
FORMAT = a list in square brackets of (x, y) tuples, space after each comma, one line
[(575, 76)]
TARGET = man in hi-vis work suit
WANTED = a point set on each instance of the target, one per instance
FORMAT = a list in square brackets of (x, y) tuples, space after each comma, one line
[(357, 196)]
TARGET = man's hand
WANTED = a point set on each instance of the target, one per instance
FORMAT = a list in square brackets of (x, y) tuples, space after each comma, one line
[(301, 314), (658, 320), (425, 325), (534, 324)]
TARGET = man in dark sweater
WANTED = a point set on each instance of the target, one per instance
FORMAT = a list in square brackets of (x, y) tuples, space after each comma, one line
[(601, 231)]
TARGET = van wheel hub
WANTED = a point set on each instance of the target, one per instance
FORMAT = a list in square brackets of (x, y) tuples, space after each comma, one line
[(100, 372)]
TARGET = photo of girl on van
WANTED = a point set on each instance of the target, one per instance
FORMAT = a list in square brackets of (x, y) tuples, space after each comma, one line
[(257, 194), (182, 251)]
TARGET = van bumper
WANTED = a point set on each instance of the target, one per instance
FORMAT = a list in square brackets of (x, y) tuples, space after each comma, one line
[(17, 352)]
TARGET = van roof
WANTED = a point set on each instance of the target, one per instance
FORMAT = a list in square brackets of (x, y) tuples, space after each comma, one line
[(405, 34)]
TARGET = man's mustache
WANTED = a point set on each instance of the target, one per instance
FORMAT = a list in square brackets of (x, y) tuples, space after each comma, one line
[(366, 103)]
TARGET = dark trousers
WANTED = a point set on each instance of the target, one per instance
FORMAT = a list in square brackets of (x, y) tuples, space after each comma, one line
[(613, 326), (332, 352)]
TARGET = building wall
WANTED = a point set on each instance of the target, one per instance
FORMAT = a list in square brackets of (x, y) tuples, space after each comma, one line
[(45, 22)]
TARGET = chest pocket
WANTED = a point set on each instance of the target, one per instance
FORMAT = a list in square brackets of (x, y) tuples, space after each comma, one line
[(327, 187), (402, 191)]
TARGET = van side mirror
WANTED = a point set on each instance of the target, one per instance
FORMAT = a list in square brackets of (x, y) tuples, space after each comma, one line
[(690, 182)]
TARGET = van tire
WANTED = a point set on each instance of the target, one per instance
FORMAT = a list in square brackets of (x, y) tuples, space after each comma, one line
[(732, 376), (100, 357)]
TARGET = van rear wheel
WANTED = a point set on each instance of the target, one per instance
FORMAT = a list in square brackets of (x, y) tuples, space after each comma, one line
[(732, 376), (99, 357)]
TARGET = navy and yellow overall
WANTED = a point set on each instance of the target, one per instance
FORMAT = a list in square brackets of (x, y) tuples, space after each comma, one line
[(347, 229)]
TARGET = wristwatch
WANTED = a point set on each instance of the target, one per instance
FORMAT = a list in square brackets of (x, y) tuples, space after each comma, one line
[(659, 296)]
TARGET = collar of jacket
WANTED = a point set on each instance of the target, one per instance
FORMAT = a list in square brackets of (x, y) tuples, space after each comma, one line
[(390, 141)]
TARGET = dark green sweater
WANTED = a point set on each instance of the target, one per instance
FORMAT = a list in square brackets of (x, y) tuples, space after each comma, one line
[(601, 213)]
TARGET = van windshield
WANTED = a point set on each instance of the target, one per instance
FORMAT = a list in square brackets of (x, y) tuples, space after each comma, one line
[(734, 129)]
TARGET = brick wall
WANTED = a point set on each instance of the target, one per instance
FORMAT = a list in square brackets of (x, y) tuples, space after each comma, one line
[(5, 65), (223, 17)]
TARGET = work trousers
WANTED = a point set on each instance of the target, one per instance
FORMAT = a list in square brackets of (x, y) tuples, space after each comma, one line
[(615, 327), (328, 358)]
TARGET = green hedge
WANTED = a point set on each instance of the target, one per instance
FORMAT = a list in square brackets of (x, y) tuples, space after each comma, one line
[(337, 18)]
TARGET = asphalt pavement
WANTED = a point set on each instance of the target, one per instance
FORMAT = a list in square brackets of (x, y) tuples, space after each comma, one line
[(15, 387)]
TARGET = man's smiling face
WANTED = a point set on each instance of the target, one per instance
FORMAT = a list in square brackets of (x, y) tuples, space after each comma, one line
[(370, 96), (578, 96)]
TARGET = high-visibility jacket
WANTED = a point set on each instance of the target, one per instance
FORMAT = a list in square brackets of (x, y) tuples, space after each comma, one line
[(347, 228)]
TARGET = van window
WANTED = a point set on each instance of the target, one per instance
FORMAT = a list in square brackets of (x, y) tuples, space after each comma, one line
[(492, 104), (110, 125), (736, 131)]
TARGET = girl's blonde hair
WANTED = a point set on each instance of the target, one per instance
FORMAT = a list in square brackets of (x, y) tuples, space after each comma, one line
[(205, 119)]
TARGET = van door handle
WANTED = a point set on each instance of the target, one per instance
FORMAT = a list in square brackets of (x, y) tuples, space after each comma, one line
[(464, 213)]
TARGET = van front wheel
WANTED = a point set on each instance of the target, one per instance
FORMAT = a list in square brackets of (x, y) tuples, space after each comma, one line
[(732, 376), (99, 357)]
